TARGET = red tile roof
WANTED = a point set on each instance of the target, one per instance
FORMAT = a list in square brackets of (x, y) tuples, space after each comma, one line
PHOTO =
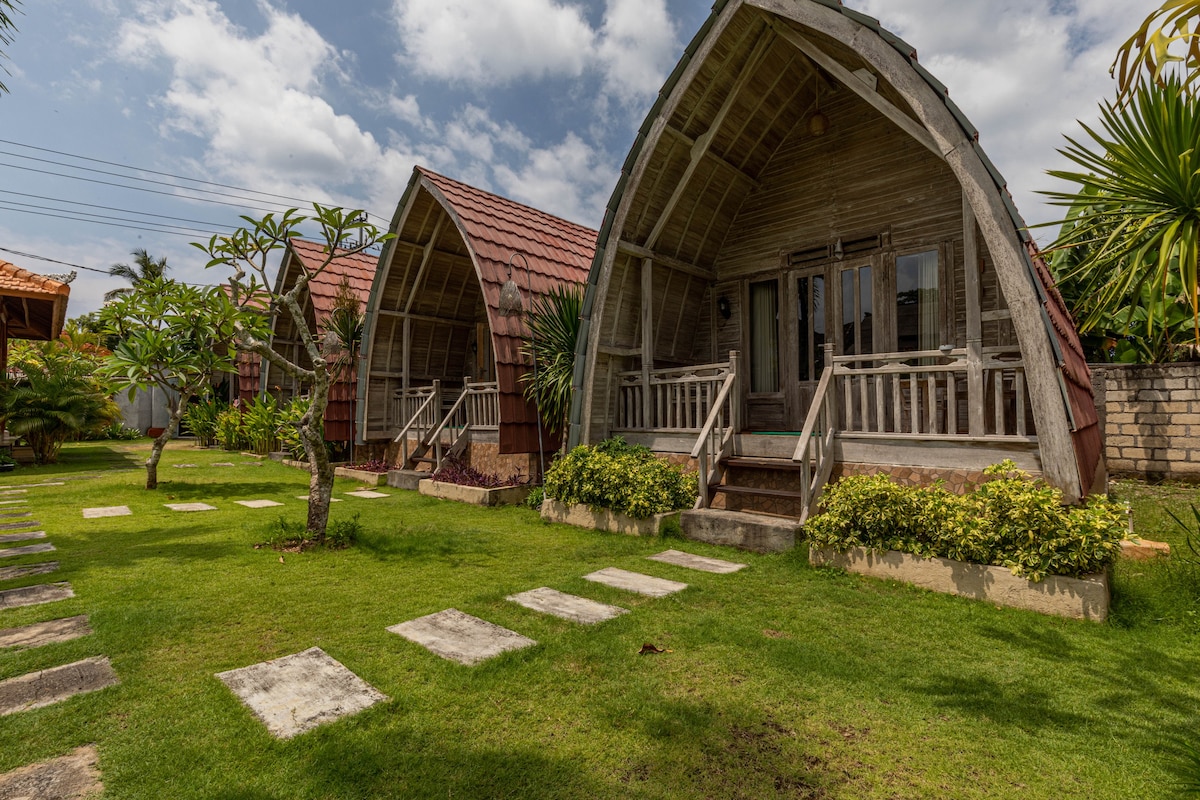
[(22, 282), (42, 306), (557, 252), (358, 268)]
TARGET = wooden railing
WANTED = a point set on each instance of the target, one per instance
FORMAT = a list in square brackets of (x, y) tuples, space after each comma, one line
[(477, 408), (930, 393), (715, 441), (680, 399), (814, 451), (421, 407)]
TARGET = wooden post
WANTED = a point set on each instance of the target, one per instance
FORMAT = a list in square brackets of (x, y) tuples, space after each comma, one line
[(647, 341), (406, 357), (735, 394), (974, 301)]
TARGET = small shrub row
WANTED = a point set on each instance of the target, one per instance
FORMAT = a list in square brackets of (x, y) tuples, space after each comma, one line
[(1010, 521), (453, 470), (260, 426), (622, 477)]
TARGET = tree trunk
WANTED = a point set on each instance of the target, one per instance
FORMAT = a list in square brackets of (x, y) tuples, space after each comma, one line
[(160, 444), (320, 478)]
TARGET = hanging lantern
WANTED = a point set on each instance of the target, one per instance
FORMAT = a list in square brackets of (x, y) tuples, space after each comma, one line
[(818, 123)]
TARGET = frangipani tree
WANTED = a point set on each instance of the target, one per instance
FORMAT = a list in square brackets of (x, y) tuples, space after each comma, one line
[(1169, 36), (175, 338), (251, 253)]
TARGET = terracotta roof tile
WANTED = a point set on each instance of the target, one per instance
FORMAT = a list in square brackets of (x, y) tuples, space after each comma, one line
[(358, 268), (14, 279)]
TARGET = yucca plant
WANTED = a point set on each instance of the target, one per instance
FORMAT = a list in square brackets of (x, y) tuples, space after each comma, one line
[(1135, 215), (554, 327)]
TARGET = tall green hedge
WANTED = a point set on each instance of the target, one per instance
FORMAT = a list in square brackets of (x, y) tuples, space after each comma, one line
[(1010, 521), (621, 477)]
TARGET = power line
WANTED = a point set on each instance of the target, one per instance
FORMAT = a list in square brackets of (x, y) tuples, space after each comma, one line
[(111, 208), (98, 222), (4, 205), (52, 260)]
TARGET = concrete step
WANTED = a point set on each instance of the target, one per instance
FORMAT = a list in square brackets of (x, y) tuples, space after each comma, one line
[(759, 533), (405, 478)]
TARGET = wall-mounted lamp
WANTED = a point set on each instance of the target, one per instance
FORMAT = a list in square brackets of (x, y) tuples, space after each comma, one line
[(510, 302), (723, 307)]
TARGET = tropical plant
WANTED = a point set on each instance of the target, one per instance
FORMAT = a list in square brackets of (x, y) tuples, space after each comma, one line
[(144, 268), (56, 397), (1148, 53), (1135, 214), (230, 431), (623, 477), (7, 28), (260, 422), (201, 418), (173, 337), (290, 419), (247, 252), (553, 330)]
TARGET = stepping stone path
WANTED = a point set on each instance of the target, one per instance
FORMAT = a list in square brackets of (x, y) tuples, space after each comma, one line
[(305, 498), (12, 502), (460, 637), (257, 503), (296, 693), (185, 466), (40, 633), (74, 776), (367, 494), (22, 537), (35, 595), (190, 507), (12, 573), (567, 606), (635, 582), (26, 550), (12, 514), (49, 686), (701, 563), (10, 526), (106, 511), (7, 492), (224, 464)]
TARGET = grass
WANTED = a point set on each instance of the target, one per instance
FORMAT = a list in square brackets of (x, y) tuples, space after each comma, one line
[(782, 680)]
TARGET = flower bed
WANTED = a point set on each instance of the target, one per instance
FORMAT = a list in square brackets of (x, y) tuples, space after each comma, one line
[(604, 519), (476, 495), (369, 477), (615, 476)]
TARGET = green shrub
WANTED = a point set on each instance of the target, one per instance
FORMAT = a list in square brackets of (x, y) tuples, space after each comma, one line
[(535, 497), (230, 432), (260, 422), (288, 430), (284, 534), (201, 419), (621, 477), (1010, 521)]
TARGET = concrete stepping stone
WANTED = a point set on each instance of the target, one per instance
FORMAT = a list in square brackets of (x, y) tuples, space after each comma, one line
[(25, 523), (13, 502), (74, 776), (7, 492), (689, 561), (186, 466), (49, 686), (305, 498), (41, 633), (567, 606), (36, 485), (12, 573), (106, 511), (24, 536), (296, 693), (27, 549), (257, 503), (190, 507), (366, 494), (635, 582), (35, 595), (224, 464), (460, 637), (14, 514)]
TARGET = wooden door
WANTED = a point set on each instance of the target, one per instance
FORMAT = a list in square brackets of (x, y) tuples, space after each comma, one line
[(808, 336), (766, 399)]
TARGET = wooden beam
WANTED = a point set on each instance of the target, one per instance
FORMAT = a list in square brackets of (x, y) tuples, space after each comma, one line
[(973, 299), (734, 168), (856, 85), (426, 257), (621, 352), (647, 339), (631, 249), (704, 141), (454, 323)]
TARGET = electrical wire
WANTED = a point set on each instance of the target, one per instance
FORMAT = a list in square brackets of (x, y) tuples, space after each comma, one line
[(110, 208)]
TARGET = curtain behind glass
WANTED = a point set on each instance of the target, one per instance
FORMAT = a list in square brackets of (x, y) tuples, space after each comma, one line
[(764, 336)]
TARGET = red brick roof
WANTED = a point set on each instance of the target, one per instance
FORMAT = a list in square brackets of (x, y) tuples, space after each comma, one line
[(323, 288), (41, 319)]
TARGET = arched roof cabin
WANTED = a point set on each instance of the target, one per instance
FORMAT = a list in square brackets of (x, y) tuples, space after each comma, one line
[(435, 324), (808, 258)]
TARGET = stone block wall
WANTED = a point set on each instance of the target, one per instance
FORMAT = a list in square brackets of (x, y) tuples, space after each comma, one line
[(483, 456), (1150, 415)]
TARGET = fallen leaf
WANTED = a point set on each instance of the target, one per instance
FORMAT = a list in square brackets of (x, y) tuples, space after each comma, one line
[(649, 648), (281, 559)]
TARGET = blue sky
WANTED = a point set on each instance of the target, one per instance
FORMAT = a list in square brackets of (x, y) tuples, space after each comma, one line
[(537, 100)]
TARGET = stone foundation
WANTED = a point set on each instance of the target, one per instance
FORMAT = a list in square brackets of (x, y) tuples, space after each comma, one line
[(483, 456), (1150, 415), (958, 481)]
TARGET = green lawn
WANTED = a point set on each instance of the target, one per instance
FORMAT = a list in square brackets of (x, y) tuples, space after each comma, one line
[(782, 680)]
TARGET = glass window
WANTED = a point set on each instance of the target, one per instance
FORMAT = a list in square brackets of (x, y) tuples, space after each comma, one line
[(917, 302), (811, 291), (857, 334), (764, 336)]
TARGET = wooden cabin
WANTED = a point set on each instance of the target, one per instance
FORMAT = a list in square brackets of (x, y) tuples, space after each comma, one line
[(809, 268), (32, 306), (255, 376), (443, 366)]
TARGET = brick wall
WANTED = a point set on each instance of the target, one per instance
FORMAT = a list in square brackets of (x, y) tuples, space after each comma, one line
[(1150, 415)]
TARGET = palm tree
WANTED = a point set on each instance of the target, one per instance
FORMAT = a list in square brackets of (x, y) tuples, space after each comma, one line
[(1134, 214), (145, 267), (7, 28), (554, 328)]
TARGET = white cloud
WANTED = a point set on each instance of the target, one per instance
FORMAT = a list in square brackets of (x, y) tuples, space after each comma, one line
[(1022, 70), (502, 41), (569, 179)]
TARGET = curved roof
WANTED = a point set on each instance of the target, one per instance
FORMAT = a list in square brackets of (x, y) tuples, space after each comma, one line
[(358, 268), (490, 229), (734, 96), (43, 317)]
